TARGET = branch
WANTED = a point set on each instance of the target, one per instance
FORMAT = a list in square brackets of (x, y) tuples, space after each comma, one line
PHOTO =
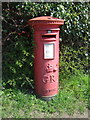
[(11, 33)]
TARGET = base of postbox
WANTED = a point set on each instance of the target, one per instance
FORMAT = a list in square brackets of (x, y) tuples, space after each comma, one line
[(47, 98)]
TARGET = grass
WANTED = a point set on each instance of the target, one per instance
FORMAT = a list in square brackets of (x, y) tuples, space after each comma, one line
[(72, 97)]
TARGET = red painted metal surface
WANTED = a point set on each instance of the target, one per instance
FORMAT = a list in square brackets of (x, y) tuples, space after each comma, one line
[(46, 52)]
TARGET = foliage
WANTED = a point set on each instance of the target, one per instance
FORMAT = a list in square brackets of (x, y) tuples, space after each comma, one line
[(18, 61), (72, 60), (18, 42), (72, 97)]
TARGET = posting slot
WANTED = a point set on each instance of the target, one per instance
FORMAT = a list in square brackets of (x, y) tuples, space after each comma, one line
[(49, 37)]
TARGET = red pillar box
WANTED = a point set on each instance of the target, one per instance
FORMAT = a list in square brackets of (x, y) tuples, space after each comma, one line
[(46, 52)]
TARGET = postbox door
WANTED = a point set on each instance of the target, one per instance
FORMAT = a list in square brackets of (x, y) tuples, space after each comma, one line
[(50, 61)]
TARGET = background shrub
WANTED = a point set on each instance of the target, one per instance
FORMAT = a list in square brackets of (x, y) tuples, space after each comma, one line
[(18, 40)]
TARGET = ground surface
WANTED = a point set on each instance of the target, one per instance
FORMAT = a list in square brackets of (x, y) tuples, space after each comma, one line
[(36, 114)]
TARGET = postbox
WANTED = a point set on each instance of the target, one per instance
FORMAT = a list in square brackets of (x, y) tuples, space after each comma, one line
[(46, 52)]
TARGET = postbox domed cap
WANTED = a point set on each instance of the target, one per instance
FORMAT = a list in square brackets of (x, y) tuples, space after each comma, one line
[(45, 20)]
